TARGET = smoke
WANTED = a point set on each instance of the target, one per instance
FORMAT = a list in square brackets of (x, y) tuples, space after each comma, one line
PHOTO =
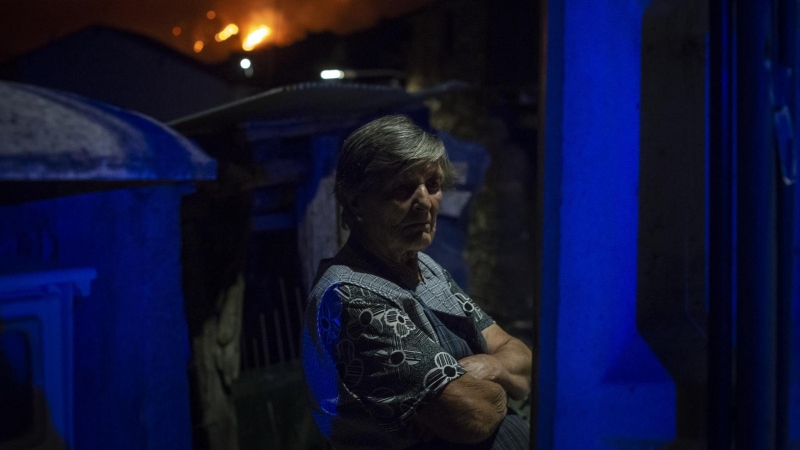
[(33, 23)]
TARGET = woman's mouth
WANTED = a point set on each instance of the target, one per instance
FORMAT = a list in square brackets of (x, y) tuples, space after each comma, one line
[(418, 225), (416, 228)]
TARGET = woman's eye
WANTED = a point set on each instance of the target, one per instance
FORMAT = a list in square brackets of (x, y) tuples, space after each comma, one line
[(434, 186), (402, 191)]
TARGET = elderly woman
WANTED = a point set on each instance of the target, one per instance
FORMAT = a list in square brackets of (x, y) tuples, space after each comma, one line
[(396, 355)]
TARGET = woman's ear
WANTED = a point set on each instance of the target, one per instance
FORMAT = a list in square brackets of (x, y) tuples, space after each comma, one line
[(352, 203)]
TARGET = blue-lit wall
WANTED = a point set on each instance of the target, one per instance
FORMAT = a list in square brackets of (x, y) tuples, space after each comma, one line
[(794, 405), (602, 387), (131, 343)]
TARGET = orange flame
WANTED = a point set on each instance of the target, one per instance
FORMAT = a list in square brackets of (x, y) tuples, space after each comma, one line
[(226, 33), (256, 37)]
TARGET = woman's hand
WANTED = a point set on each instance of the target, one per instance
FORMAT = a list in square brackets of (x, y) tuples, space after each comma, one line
[(484, 367)]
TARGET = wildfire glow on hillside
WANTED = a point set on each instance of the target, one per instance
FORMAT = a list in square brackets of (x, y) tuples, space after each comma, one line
[(209, 30), (256, 37), (227, 32), (238, 30)]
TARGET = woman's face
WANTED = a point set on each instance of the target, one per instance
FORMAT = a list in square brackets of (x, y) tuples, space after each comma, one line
[(399, 216)]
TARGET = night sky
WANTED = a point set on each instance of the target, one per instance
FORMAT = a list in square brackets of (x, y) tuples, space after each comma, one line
[(28, 24)]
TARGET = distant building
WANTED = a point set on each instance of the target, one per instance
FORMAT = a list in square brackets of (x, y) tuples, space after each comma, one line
[(123, 69)]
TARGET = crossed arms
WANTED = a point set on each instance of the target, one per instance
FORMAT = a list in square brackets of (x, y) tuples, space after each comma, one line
[(391, 364), (472, 406)]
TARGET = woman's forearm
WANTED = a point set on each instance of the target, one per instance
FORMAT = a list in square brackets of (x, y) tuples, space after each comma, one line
[(515, 357), (467, 411), (508, 362)]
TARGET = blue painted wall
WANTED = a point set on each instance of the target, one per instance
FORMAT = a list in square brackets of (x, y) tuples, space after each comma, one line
[(602, 386), (794, 405), (131, 342)]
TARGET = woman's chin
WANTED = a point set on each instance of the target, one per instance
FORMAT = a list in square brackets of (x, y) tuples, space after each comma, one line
[(421, 241)]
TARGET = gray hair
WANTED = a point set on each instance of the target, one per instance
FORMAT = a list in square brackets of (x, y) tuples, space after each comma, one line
[(382, 149)]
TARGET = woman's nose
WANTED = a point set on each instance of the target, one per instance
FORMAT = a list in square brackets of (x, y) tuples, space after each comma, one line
[(422, 198)]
